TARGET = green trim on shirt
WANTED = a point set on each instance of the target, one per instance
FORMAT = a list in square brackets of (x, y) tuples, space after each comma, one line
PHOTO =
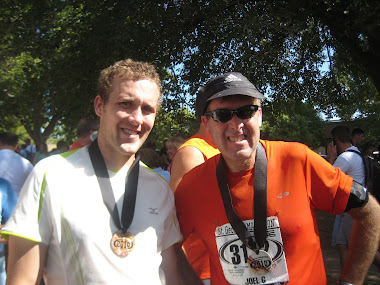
[(73, 252)]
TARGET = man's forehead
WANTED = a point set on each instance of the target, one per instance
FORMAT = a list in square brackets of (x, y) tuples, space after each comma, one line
[(234, 98)]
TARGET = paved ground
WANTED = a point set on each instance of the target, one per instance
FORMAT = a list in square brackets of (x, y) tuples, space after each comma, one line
[(330, 255)]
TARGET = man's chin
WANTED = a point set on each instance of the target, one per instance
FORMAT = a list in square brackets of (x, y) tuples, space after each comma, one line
[(129, 149)]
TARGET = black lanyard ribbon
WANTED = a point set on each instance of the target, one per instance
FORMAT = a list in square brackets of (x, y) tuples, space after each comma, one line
[(129, 201), (259, 204)]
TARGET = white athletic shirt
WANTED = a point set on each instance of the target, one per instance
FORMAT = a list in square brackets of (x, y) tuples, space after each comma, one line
[(351, 163), (61, 205)]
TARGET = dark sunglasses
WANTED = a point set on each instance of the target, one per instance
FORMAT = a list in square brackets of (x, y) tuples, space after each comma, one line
[(224, 115)]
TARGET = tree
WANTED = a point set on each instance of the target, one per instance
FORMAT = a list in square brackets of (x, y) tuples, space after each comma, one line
[(52, 51), (287, 48), (297, 121), (176, 123), (323, 52)]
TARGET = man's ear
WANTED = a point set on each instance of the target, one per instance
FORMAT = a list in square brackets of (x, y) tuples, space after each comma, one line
[(204, 120), (98, 106)]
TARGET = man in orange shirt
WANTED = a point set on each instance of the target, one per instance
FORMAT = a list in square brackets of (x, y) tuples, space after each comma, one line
[(254, 204), (87, 131)]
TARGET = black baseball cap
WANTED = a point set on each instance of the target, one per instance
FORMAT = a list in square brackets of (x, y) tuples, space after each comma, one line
[(231, 83)]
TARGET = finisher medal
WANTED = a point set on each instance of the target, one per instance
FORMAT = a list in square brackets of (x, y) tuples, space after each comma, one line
[(122, 244), (260, 261)]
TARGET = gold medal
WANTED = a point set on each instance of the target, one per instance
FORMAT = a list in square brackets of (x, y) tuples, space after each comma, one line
[(122, 244)]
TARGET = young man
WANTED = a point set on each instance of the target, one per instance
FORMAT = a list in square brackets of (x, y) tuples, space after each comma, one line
[(256, 215), (98, 215)]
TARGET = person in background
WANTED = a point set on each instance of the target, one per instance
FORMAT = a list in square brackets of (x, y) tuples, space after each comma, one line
[(87, 130), (13, 167), (254, 204), (357, 136), (369, 148), (8, 200), (62, 147), (195, 151), (29, 151), (172, 145), (164, 156), (42, 152), (152, 159), (98, 215), (341, 156)]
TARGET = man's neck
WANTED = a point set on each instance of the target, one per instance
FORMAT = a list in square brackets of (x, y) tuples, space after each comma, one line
[(203, 132), (7, 146), (343, 147), (238, 165), (346, 146), (83, 141), (115, 160)]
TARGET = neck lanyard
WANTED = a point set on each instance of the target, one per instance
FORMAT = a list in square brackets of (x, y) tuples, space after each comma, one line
[(259, 204), (129, 201)]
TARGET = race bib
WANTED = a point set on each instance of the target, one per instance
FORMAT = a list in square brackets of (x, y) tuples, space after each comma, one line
[(242, 265)]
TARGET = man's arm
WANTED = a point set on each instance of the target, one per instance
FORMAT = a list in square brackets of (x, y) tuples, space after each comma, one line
[(26, 261), (169, 266), (364, 242), (184, 160)]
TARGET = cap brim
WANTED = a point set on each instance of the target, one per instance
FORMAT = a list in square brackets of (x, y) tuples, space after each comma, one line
[(237, 91)]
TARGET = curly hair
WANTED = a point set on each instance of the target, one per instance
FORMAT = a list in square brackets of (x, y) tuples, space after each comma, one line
[(127, 69)]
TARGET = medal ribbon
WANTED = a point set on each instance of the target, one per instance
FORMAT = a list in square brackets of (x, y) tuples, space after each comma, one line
[(259, 203), (129, 201)]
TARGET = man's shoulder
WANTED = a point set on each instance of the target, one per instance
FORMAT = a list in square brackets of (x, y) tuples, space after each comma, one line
[(351, 154), (282, 148), (202, 171), (11, 155), (200, 143), (60, 162)]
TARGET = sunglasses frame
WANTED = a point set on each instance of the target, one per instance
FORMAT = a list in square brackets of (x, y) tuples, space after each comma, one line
[(214, 114)]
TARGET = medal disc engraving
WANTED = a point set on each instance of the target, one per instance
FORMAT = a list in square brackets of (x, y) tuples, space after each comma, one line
[(122, 244), (261, 261)]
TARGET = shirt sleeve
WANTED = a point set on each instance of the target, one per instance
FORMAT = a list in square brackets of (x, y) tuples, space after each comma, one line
[(329, 187)]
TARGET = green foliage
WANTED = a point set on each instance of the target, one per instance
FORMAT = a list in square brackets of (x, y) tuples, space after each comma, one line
[(176, 123), (297, 122), (321, 52)]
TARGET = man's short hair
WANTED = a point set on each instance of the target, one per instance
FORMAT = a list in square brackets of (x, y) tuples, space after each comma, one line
[(126, 69), (342, 133), (86, 125), (357, 131), (8, 138)]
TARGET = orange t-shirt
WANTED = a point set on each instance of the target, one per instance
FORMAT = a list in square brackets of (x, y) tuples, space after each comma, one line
[(299, 181), (194, 247)]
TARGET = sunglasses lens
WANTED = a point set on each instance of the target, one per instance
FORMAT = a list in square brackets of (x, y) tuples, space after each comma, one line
[(223, 115), (245, 112)]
